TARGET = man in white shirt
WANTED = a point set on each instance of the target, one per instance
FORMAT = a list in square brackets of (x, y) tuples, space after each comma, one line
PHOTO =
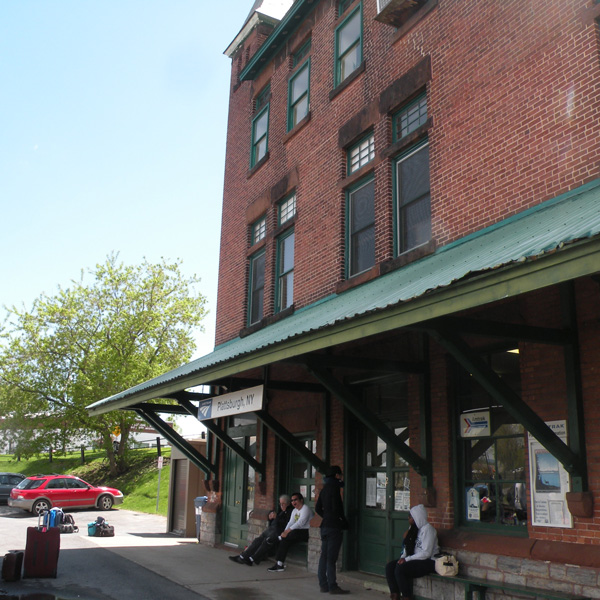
[(296, 531)]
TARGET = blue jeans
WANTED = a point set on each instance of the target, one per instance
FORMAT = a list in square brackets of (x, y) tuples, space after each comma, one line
[(331, 542)]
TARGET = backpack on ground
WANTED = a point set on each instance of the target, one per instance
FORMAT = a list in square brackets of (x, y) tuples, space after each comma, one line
[(68, 524)]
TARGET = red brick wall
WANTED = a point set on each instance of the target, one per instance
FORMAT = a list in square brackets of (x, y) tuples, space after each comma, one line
[(514, 101)]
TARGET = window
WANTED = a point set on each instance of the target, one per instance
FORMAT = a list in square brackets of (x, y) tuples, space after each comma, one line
[(285, 271), (361, 228), (343, 6), (412, 198), (360, 154), (411, 117), (348, 45), (287, 209), (260, 127), (259, 230), (301, 53), (493, 475), (257, 288), (298, 95)]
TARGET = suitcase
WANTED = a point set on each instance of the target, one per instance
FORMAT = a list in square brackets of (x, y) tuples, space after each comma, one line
[(41, 551), (12, 565)]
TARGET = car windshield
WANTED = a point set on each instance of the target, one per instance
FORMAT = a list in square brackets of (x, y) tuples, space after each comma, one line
[(30, 484)]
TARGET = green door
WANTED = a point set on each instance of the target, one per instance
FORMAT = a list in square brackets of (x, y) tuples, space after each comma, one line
[(234, 527), (384, 503)]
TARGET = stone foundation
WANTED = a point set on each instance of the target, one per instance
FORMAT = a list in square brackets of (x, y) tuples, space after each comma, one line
[(548, 575)]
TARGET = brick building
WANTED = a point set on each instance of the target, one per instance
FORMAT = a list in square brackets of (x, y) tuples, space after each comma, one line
[(409, 283)]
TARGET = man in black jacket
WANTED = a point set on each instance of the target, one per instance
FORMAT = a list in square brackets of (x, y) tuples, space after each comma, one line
[(331, 508), (267, 540)]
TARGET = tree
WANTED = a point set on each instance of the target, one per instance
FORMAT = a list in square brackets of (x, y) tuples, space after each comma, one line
[(88, 342)]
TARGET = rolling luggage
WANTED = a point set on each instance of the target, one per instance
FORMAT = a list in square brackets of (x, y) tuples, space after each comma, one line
[(41, 551), (12, 565)]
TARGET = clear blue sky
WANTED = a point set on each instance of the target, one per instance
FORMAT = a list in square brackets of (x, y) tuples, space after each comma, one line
[(113, 120)]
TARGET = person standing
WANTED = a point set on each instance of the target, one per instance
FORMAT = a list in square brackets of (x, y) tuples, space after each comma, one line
[(296, 531), (263, 544), (331, 508), (400, 573)]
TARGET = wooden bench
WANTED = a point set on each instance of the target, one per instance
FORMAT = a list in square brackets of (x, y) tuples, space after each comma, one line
[(474, 585)]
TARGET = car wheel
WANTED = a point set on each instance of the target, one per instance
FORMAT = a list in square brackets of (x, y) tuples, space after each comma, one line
[(40, 506), (105, 502)]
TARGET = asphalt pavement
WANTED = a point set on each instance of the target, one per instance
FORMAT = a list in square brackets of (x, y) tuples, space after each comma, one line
[(142, 562)]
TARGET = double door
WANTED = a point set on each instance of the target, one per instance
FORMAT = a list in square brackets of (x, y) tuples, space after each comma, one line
[(384, 496)]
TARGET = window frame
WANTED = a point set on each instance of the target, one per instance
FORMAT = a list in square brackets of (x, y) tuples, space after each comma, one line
[(339, 56), (400, 246), (282, 276), (350, 235), (292, 213), (251, 288), (397, 116), (291, 123), (370, 139), (494, 478), (259, 230), (261, 107)]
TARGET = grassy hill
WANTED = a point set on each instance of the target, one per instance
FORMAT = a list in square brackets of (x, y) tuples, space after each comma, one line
[(139, 484)]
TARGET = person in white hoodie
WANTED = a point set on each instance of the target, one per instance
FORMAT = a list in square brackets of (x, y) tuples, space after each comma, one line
[(400, 573)]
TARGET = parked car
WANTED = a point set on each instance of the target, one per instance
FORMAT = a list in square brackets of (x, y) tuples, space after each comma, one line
[(41, 492), (7, 482)]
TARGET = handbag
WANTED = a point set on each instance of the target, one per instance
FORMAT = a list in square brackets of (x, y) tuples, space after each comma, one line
[(446, 565)]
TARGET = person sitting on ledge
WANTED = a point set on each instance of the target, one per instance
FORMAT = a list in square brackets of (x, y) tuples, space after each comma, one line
[(295, 531), (400, 573), (267, 541)]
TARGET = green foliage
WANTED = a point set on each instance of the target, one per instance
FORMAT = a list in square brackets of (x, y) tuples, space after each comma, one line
[(139, 483), (88, 342)]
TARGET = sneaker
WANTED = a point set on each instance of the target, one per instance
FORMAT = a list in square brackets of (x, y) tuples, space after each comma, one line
[(237, 558), (276, 568), (246, 560), (338, 590)]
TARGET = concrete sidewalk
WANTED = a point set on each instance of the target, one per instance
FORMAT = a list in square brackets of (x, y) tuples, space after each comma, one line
[(182, 567)]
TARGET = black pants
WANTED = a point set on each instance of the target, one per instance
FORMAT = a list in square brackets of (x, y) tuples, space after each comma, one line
[(331, 542), (262, 545), (399, 577), (294, 536)]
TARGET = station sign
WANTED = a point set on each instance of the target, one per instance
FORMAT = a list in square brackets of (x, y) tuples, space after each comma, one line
[(235, 403)]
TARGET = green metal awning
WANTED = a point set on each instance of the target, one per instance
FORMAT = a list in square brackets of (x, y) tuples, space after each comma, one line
[(554, 242)]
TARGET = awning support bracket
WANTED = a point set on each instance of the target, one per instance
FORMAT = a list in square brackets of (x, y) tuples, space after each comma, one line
[(181, 443), (513, 403)]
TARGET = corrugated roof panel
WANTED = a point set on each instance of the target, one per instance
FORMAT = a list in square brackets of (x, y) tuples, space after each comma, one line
[(529, 235)]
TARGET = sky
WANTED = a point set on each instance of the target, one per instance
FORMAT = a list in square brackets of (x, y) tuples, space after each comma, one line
[(113, 117)]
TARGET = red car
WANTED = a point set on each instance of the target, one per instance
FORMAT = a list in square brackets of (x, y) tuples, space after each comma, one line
[(41, 492)]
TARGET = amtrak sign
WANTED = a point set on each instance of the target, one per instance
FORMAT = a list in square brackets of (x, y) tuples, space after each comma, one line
[(236, 403), (475, 424)]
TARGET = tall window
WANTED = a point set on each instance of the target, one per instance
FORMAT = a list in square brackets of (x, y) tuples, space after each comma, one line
[(260, 127), (348, 45), (493, 475), (284, 294), (298, 95), (361, 228), (256, 288), (285, 270), (413, 207), (361, 154)]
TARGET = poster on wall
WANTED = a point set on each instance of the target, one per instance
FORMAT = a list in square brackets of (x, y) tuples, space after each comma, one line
[(549, 483), (473, 505)]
